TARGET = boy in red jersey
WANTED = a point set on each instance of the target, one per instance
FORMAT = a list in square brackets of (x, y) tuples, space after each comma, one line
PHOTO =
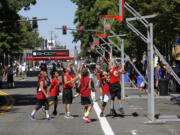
[(67, 84), (115, 87), (105, 91), (41, 96), (53, 89)]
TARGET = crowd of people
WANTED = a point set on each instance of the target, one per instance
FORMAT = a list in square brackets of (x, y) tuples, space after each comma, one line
[(81, 79), (161, 73), (8, 72)]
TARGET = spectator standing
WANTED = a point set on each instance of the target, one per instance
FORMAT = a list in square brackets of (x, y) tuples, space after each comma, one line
[(10, 79), (20, 71), (173, 86), (43, 67), (54, 69), (1, 74), (23, 70)]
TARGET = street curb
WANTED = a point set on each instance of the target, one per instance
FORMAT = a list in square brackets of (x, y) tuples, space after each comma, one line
[(8, 105)]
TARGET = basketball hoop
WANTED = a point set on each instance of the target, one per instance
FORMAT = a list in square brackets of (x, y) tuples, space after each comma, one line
[(96, 40), (107, 20), (89, 49), (92, 46)]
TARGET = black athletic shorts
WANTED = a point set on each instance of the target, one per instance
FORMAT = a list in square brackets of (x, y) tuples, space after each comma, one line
[(42, 102), (77, 89), (86, 101), (10, 78), (53, 98), (67, 96), (115, 90)]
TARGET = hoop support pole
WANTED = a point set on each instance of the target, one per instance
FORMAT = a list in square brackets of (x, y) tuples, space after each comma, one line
[(121, 9)]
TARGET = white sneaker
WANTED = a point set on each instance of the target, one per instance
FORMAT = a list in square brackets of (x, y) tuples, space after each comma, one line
[(68, 117)]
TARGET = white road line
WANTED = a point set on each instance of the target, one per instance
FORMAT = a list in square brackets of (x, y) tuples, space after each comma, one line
[(172, 131), (134, 132), (103, 121)]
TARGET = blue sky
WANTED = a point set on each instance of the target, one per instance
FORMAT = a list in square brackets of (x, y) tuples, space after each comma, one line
[(59, 13)]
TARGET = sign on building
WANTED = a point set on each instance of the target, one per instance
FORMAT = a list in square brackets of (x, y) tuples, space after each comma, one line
[(50, 53)]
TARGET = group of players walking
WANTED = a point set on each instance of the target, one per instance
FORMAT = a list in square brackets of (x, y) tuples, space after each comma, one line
[(82, 80)]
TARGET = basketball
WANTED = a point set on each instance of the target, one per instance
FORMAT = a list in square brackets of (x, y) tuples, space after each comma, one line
[(107, 27)]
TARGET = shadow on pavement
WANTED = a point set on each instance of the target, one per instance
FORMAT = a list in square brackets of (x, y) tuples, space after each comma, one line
[(25, 84), (134, 114), (23, 100), (2, 100), (93, 120), (21, 84)]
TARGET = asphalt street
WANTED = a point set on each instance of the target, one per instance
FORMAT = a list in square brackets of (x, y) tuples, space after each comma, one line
[(16, 122)]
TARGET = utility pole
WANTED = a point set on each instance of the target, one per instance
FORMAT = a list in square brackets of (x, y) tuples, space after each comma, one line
[(50, 44), (51, 32), (55, 36)]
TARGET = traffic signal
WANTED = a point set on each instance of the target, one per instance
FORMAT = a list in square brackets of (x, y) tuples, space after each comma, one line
[(81, 31), (34, 23), (64, 29)]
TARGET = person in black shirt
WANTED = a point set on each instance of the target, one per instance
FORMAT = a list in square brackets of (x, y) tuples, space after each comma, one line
[(54, 69), (43, 67)]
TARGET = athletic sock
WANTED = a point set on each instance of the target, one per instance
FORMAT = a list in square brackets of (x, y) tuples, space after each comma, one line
[(33, 112), (120, 106), (112, 107), (86, 114), (68, 113), (93, 95), (47, 115)]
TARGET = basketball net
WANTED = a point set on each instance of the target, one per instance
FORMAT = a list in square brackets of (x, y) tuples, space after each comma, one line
[(107, 22), (96, 40), (92, 46)]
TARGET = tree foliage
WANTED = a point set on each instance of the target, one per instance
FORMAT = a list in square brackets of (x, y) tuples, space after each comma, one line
[(166, 24), (16, 36)]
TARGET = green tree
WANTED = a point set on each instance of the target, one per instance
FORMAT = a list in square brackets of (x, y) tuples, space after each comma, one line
[(87, 15), (166, 24), (16, 36)]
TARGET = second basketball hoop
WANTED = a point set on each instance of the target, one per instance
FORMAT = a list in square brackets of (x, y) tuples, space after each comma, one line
[(96, 40), (107, 22), (92, 46)]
